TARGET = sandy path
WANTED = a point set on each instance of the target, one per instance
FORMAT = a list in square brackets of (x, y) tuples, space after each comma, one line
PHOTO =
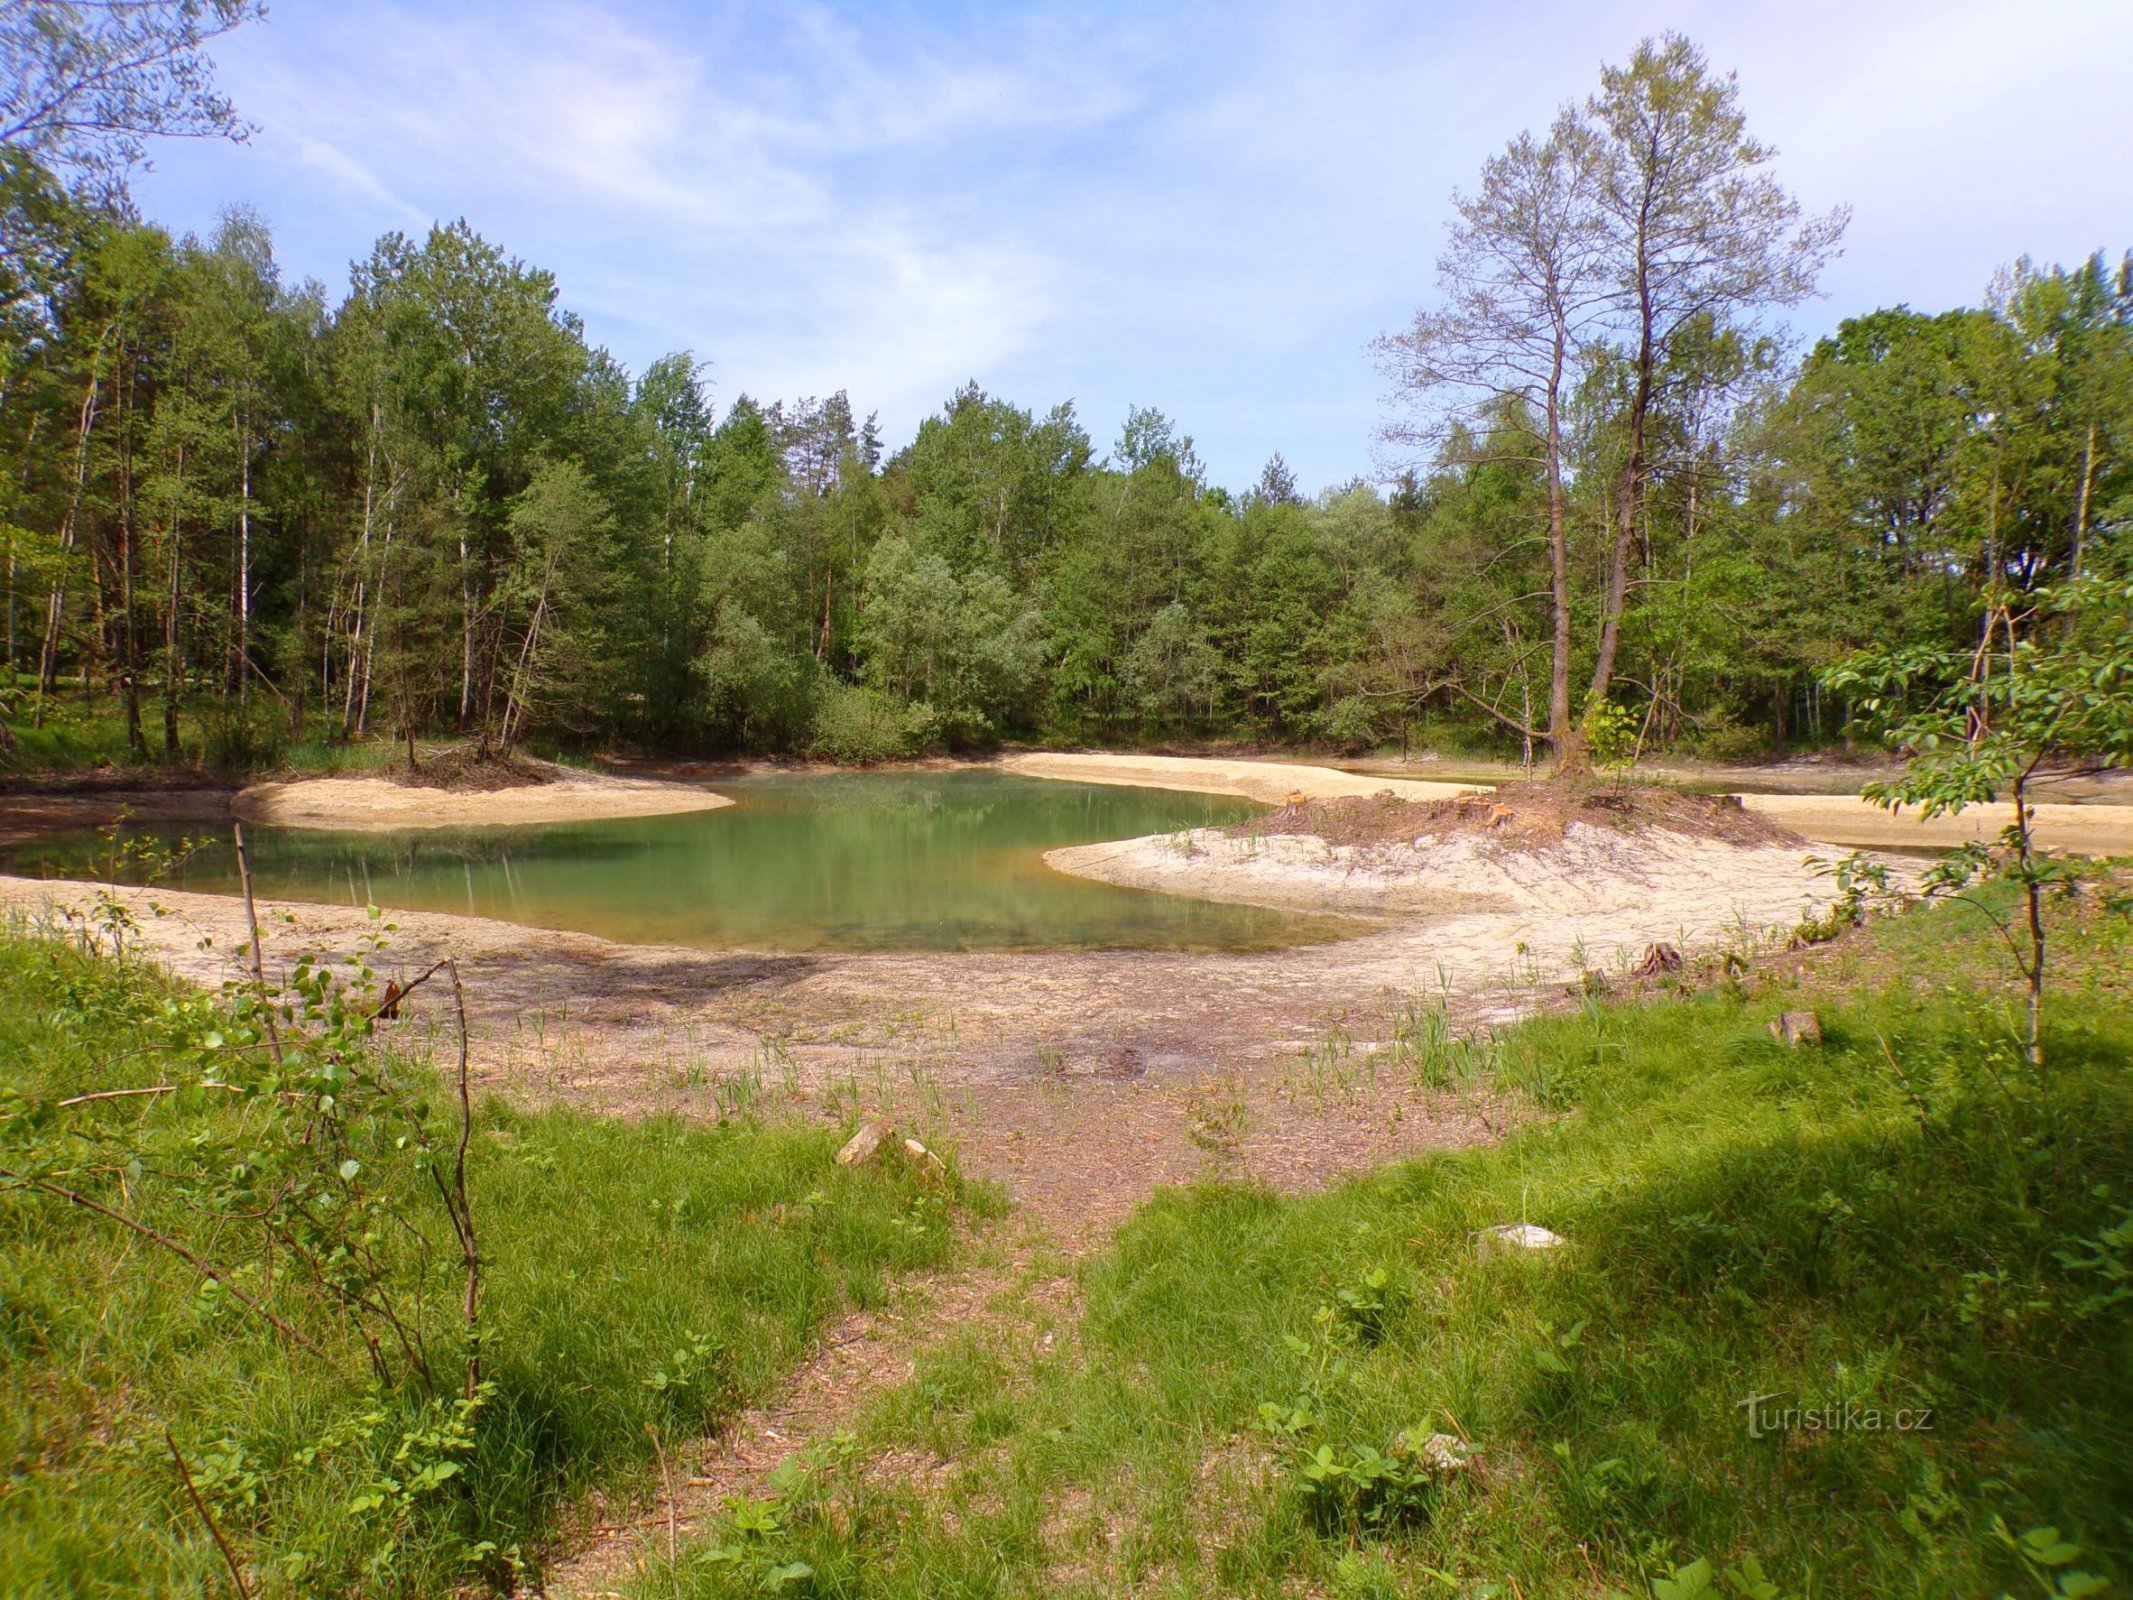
[(379, 804), (1021, 1300)]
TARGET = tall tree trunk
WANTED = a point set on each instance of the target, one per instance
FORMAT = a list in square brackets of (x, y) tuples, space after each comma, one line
[(358, 635), (173, 637), (1564, 740), (2081, 517), (69, 525), (129, 621), (1627, 509), (243, 662), (173, 656), (29, 456), (515, 696), (466, 638)]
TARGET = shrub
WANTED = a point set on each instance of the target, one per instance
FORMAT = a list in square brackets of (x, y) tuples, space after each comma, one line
[(855, 726)]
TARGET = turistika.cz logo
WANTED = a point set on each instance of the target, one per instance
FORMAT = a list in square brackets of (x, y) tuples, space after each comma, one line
[(1768, 1414)]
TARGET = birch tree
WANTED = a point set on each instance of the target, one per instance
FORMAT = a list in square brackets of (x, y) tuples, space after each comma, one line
[(1700, 239), (84, 84), (1522, 281)]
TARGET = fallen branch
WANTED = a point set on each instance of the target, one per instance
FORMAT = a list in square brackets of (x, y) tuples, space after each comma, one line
[(229, 1556), (160, 1088)]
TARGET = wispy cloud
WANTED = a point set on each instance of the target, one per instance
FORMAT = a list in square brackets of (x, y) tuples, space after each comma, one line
[(1210, 208)]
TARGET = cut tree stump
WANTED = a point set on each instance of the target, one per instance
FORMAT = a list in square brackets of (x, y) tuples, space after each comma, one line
[(1659, 958)]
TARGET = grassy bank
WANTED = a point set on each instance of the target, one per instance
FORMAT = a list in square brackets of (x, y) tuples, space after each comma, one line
[(639, 1281), (1904, 1222)]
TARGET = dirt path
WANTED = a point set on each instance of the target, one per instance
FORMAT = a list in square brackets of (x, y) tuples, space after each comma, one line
[(1016, 1289), (1270, 782), (2091, 829)]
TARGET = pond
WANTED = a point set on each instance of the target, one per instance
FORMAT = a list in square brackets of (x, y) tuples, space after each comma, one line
[(947, 860)]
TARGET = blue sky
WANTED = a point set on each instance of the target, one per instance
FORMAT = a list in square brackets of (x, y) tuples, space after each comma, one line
[(1209, 209)]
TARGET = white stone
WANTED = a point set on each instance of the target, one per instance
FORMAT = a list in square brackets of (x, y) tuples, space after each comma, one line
[(1511, 1238), (866, 1144)]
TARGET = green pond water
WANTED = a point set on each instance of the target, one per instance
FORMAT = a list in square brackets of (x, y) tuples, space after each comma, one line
[(858, 861)]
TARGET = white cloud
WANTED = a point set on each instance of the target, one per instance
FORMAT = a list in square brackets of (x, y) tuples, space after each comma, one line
[(1210, 208)]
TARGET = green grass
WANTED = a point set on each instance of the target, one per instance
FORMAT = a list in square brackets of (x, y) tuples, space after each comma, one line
[(1743, 1219), (656, 1273), (76, 737)]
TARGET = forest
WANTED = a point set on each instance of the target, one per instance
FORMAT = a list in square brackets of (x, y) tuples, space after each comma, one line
[(1617, 502)]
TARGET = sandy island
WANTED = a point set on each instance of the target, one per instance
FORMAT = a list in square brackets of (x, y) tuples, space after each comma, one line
[(380, 804)]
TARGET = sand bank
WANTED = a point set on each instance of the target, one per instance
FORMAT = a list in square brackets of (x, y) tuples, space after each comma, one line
[(1270, 782), (2099, 830), (2093, 830), (367, 804), (1699, 885)]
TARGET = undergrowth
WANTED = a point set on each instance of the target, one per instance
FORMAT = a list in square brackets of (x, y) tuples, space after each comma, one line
[(286, 1384)]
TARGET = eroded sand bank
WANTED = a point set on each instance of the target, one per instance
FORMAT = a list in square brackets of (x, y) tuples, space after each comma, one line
[(1592, 873), (366, 804)]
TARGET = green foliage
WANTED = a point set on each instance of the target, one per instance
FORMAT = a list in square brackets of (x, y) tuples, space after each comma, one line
[(1611, 734), (857, 726), (2051, 675), (709, 1254), (961, 645)]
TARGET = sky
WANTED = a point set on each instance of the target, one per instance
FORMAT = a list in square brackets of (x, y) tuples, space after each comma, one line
[(1208, 209)]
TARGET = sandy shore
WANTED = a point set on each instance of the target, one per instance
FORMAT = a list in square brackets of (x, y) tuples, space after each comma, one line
[(2100, 829), (380, 804), (2090, 830), (1469, 880), (1270, 782)]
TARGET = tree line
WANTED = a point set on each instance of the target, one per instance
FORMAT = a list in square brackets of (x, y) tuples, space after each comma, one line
[(1616, 510)]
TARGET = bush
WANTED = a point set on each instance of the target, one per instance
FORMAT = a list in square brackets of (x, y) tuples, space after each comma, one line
[(855, 726)]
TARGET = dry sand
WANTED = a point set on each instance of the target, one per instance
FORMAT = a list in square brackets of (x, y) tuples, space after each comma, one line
[(379, 804), (1468, 876), (1825, 818), (1270, 782), (2090, 830)]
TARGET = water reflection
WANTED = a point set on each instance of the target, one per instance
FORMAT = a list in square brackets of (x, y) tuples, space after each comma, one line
[(852, 861)]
